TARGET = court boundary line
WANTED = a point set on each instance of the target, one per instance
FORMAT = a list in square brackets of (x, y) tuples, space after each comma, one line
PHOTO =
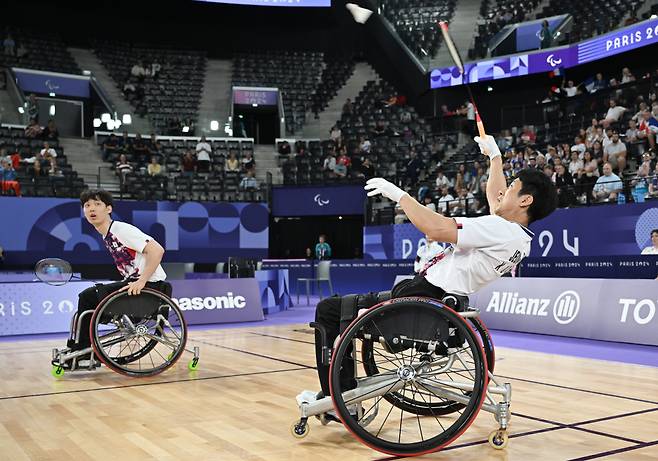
[(173, 381), (254, 354), (560, 386), (604, 454)]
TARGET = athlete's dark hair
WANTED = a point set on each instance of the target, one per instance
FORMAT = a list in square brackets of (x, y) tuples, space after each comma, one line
[(544, 194), (655, 231), (96, 194)]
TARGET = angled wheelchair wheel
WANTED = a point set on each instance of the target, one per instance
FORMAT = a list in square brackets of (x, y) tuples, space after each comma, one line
[(139, 335), (427, 359), (368, 356)]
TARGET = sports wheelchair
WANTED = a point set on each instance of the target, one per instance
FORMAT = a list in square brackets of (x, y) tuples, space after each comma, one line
[(422, 372), (139, 335)]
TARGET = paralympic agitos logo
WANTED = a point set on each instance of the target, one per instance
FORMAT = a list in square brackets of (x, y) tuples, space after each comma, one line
[(318, 199)]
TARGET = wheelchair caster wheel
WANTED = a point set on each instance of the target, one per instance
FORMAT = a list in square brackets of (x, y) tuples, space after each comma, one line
[(57, 371), (499, 439), (193, 364), (323, 419), (300, 429)]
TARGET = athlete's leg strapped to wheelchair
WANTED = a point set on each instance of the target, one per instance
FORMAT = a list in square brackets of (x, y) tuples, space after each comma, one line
[(409, 374), (137, 335)]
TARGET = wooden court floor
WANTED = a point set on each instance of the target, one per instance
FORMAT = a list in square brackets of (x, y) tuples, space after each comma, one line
[(239, 406)]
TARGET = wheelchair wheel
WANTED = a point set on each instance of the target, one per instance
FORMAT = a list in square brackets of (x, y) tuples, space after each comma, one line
[(138, 335), (421, 407), (424, 353)]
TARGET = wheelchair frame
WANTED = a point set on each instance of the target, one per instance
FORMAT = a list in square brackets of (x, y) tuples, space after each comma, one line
[(61, 356), (378, 386)]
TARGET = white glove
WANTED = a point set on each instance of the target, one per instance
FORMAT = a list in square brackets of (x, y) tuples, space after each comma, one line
[(380, 186), (488, 146)]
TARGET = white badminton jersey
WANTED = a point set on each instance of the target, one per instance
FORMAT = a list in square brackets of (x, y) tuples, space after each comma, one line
[(126, 243), (487, 247)]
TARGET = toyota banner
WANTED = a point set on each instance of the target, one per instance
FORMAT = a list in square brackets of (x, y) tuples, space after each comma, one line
[(608, 310)]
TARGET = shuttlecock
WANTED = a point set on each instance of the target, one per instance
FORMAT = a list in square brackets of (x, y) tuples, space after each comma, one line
[(359, 14)]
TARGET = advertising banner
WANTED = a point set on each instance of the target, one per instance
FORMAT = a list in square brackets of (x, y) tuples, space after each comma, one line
[(218, 300), (318, 201), (608, 230), (38, 81), (619, 41), (190, 231), (259, 96), (609, 310), (34, 308)]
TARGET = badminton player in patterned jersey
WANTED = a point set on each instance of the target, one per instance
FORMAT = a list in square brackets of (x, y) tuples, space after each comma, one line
[(136, 255), (479, 250)]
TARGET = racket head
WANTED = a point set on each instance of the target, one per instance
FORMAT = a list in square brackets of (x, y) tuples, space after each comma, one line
[(53, 271)]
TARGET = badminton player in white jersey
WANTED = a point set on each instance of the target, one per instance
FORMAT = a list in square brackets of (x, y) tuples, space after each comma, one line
[(136, 256), (479, 250)]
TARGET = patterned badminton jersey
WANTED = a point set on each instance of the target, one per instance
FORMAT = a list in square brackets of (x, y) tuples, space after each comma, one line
[(487, 247), (125, 243)]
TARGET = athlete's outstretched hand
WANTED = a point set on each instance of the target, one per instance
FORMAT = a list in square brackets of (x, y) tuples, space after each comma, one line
[(380, 186), (488, 146)]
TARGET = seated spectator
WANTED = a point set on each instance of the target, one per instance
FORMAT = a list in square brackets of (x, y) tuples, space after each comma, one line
[(37, 171), (653, 183), (528, 135), (50, 132), (627, 76), (335, 133), (340, 170), (47, 153), (405, 116), (614, 151), (464, 204), (9, 45), (125, 144), (575, 165), (188, 164), (33, 108), (648, 128), (329, 164), (16, 160), (442, 180), (140, 150), (8, 178), (154, 69), (122, 167), (343, 157), (249, 182), (613, 115), (565, 187), (599, 83), (154, 168), (445, 199), (284, 148), (607, 186), (367, 169), (33, 130), (413, 168), (232, 163), (347, 107), (428, 201), (632, 133), (203, 153), (248, 162), (138, 71), (110, 146), (364, 145), (154, 146)]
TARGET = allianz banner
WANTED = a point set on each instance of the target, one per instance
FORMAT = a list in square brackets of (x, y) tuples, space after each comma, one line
[(318, 201), (35, 308), (609, 310)]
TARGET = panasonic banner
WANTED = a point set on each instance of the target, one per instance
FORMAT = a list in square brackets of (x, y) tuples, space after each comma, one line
[(609, 310), (35, 308)]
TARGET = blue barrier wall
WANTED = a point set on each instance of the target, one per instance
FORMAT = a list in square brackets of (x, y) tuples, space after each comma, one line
[(606, 230), (35, 228)]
